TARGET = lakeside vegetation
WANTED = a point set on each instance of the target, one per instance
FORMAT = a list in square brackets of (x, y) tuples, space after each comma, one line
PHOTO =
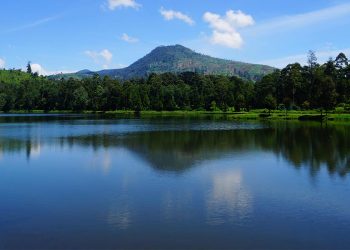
[(285, 94), (258, 114)]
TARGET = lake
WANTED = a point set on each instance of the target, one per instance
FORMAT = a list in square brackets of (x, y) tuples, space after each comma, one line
[(88, 182)]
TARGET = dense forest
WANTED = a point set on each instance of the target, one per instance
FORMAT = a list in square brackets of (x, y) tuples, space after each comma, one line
[(313, 86)]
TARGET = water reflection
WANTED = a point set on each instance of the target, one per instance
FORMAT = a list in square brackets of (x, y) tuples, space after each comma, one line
[(103, 160), (304, 146), (179, 184), (119, 215), (229, 199)]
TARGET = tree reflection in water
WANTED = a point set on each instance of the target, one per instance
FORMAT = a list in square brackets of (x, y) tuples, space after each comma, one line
[(312, 146)]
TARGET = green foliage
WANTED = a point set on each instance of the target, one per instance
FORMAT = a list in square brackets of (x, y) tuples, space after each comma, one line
[(186, 91), (80, 99), (310, 87), (270, 102)]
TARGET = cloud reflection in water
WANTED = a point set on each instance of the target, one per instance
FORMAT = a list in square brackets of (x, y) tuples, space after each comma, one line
[(228, 200)]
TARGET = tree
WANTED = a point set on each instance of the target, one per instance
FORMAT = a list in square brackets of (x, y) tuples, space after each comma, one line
[(312, 67), (222, 92), (29, 94), (237, 90), (239, 102), (80, 99), (340, 77), (112, 94), (341, 61), (156, 95), (169, 100), (29, 68), (249, 95), (330, 68), (9, 94), (268, 85), (326, 94), (312, 60), (135, 98), (291, 80), (2, 101), (270, 102)]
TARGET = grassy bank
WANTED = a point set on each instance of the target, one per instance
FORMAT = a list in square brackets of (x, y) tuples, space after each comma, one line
[(251, 115)]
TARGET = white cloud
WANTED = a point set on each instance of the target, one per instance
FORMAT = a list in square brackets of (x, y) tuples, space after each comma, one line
[(286, 23), (172, 14), (125, 37), (103, 57), (225, 29), (114, 4), (2, 63), (37, 68), (322, 56), (227, 39), (106, 54)]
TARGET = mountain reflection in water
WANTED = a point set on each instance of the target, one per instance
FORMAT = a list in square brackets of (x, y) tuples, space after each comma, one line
[(313, 147)]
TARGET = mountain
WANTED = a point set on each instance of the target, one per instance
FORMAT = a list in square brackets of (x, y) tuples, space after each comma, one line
[(177, 59)]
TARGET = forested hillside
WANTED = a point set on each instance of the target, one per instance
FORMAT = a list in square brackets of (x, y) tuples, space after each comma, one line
[(179, 59), (294, 87)]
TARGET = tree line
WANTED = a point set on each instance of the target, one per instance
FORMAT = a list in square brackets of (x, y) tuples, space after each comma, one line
[(313, 86)]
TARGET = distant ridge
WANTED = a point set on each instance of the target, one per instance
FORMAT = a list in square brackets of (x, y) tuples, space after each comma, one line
[(84, 71), (177, 59)]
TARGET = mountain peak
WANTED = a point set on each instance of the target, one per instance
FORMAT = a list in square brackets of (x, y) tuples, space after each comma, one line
[(172, 49), (178, 59), (84, 71), (176, 46)]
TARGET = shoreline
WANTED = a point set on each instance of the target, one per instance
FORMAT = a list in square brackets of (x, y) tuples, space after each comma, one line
[(251, 115)]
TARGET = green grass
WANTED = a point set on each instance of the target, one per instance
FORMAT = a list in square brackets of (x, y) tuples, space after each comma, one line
[(251, 115)]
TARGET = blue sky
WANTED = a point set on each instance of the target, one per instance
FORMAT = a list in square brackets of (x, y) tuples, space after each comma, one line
[(65, 35)]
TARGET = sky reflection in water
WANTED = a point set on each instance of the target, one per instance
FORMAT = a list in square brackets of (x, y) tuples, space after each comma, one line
[(77, 182)]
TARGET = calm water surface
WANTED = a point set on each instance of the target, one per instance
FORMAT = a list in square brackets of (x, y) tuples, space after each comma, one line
[(82, 182)]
